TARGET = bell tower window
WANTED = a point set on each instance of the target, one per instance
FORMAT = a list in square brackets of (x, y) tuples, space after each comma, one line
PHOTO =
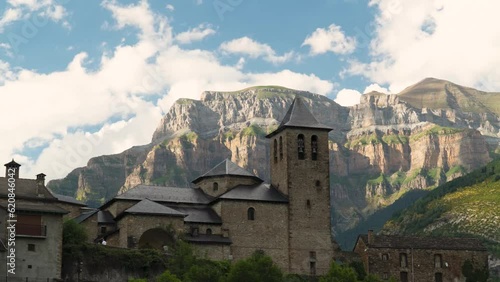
[(275, 151), (301, 147), (281, 148), (314, 147)]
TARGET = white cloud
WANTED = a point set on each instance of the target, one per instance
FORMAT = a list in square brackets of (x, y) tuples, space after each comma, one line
[(34, 11), (330, 40), (377, 88), (195, 34), (170, 7), (254, 49), (348, 97), (127, 78), (453, 40)]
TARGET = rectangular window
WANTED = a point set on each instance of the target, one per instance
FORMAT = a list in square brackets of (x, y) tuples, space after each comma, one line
[(438, 261), (103, 229), (385, 275), (312, 254), (312, 268), (403, 260), (385, 257), (31, 247), (404, 276), (438, 277), (30, 225)]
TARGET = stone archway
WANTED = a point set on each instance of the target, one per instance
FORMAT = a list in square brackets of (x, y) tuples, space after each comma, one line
[(156, 238)]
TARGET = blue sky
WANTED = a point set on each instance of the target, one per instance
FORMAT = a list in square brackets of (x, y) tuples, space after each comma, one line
[(86, 78)]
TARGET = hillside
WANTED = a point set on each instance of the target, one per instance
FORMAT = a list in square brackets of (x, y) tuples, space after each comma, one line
[(379, 149), (466, 206)]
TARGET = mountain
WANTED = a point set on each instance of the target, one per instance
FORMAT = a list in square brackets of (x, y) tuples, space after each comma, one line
[(466, 206), (380, 148)]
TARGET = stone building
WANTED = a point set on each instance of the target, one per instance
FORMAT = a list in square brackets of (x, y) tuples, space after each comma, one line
[(38, 229), (231, 212), (419, 259)]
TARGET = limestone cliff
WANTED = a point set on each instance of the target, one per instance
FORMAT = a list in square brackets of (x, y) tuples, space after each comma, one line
[(380, 148)]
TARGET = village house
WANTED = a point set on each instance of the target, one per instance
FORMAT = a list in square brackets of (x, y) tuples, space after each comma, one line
[(38, 229), (231, 212), (419, 259)]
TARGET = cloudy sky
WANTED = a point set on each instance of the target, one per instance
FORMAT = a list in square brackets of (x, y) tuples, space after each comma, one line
[(80, 78)]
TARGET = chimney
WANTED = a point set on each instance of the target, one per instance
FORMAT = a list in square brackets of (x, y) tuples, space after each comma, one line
[(12, 169), (40, 180), (370, 236)]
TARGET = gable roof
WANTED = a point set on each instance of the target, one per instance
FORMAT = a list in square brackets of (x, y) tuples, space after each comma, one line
[(262, 192), (151, 208), (46, 208), (26, 188), (85, 215), (105, 217), (436, 243), (166, 194), (226, 167), (298, 115), (68, 199), (200, 215)]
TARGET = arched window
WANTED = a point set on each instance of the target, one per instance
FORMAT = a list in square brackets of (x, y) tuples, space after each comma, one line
[(209, 231), (275, 151), (318, 184), (281, 148), (314, 147), (216, 186), (251, 214), (301, 147)]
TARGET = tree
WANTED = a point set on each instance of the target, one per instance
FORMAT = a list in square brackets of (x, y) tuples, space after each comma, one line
[(167, 277), (258, 267), (182, 258), (207, 271), (73, 233), (473, 274), (340, 273)]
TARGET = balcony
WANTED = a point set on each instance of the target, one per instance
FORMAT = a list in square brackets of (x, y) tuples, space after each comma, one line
[(31, 230)]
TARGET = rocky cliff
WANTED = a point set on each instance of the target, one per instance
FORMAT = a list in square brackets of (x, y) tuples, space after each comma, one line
[(380, 148)]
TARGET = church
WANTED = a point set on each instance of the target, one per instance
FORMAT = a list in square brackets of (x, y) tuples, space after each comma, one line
[(231, 212)]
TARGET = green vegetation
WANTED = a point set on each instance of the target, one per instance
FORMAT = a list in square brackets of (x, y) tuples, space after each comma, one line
[(466, 206), (436, 130), (379, 180), (189, 136), (184, 101), (398, 178), (229, 135), (253, 130), (351, 273), (455, 169), (363, 141), (394, 139), (473, 274), (258, 267)]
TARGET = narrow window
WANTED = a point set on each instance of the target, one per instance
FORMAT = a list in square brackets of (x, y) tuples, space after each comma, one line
[(308, 204), (385, 257), (437, 261), (103, 229), (438, 277), (312, 255), (251, 214), (275, 153), (281, 148), (314, 147), (209, 231), (318, 184), (403, 260), (404, 276), (195, 231), (216, 186), (301, 147), (312, 268), (31, 247), (385, 275)]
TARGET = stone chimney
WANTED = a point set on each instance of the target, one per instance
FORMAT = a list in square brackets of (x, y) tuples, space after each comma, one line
[(40, 179), (12, 168), (370, 236)]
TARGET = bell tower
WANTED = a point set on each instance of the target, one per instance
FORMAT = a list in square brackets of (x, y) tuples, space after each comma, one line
[(300, 168)]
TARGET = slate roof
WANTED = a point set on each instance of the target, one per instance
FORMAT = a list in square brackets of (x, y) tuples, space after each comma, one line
[(151, 208), (25, 188), (200, 215), (298, 115), (37, 208), (208, 239), (105, 217), (436, 243), (85, 215), (166, 194), (68, 199), (226, 167), (259, 192)]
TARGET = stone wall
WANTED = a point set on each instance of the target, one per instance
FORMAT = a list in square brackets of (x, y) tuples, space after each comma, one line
[(90, 225), (224, 183), (268, 232), (118, 206), (420, 263), (212, 251)]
